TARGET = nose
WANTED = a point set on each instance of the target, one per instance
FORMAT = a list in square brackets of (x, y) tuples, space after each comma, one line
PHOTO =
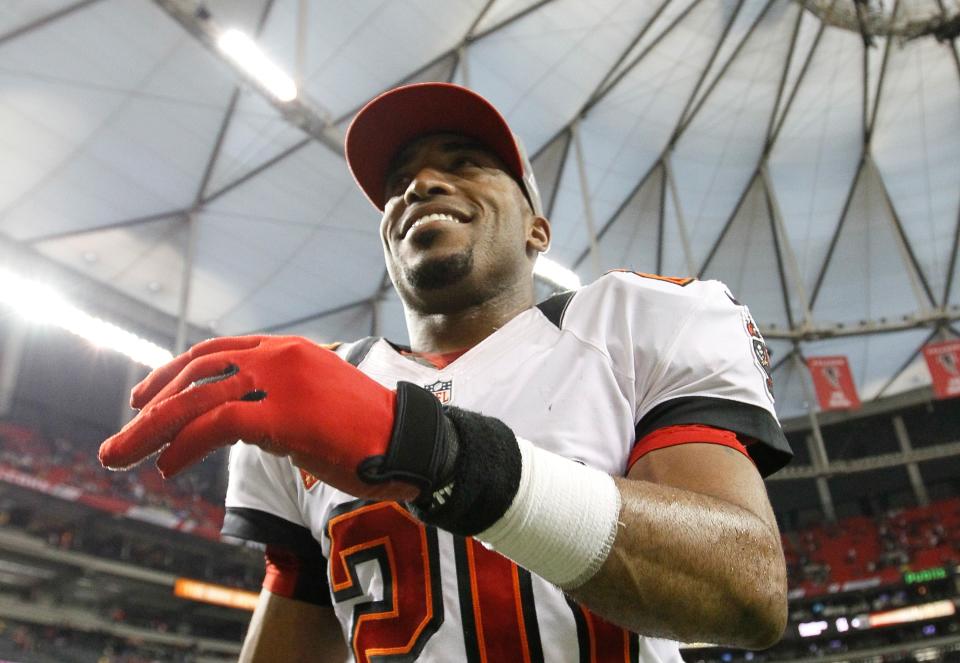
[(428, 182)]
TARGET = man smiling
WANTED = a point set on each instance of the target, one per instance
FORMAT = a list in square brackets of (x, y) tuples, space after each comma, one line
[(578, 480)]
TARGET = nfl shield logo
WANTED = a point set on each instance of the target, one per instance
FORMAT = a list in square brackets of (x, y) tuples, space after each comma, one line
[(442, 389)]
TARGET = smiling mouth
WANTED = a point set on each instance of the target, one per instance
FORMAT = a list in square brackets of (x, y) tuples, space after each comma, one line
[(432, 218)]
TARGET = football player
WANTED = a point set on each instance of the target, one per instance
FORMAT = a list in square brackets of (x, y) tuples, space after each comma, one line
[(575, 480)]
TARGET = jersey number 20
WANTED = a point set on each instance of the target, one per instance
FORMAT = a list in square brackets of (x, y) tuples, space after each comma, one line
[(495, 595)]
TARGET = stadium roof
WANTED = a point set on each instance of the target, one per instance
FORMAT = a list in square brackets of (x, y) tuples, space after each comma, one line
[(806, 153)]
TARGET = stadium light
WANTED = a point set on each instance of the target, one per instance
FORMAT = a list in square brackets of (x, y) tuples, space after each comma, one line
[(40, 304), (556, 273), (207, 592), (244, 51)]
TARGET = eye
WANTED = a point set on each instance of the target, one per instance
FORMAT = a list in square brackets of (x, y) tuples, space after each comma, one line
[(461, 163), (397, 185)]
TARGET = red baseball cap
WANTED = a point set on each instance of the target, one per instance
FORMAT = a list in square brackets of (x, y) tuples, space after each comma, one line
[(397, 117)]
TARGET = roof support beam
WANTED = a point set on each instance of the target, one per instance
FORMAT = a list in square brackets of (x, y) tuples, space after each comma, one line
[(12, 350), (286, 324), (956, 235), (476, 21), (126, 223), (186, 284), (937, 318), (623, 205), (893, 378), (917, 278), (678, 128), (685, 121), (815, 445), (192, 217), (836, 232), (45, 20), (783, 240), (600, 94), (952, 268), (783, 79), (299, 112), (661, 219), (337, 145), (678, 210), (623, 56), (249, 175), (784, 289), (879, 461), (883, 74), (726, 226), (471, 36), (796, 86), (587, 204)]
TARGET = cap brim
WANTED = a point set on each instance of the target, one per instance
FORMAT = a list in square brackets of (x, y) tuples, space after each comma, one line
[(397, 117)]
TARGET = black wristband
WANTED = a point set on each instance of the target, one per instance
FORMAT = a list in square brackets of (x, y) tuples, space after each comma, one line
[(485, 479), (422, 450), (466, 465)]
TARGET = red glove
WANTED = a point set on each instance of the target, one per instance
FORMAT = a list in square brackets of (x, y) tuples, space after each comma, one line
[(290, 397)]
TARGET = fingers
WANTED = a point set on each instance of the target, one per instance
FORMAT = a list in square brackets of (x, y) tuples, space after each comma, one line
[(145, 392), (220, 427), (160, 423), (203, 370)]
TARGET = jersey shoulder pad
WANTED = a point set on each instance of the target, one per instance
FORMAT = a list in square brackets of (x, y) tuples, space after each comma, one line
[(675, 280), (357, 351), (624, 308), (622, 292)]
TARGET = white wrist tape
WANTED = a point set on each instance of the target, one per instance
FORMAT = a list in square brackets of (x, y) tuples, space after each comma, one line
[(562, 522)]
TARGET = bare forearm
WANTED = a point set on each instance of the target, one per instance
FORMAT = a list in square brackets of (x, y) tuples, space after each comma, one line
[(691, 567), (282, 629)]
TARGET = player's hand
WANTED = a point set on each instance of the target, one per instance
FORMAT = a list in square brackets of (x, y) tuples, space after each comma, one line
[(291, 397)]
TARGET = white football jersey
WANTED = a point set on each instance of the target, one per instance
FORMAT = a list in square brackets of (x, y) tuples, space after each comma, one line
[(584, 375)]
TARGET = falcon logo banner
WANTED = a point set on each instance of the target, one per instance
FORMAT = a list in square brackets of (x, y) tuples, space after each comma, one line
[(833, 383), (943, 360)]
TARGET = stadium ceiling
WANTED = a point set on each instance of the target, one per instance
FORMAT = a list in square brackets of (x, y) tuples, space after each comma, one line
[(806, 153)]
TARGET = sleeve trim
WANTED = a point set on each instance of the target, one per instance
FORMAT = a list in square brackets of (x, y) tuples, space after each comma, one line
[(267, 529), (770, 449), (673, 436), (297, 578)]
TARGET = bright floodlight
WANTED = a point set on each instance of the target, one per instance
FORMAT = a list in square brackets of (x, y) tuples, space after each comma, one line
[(40, 304), (244, 51), (556, 273)]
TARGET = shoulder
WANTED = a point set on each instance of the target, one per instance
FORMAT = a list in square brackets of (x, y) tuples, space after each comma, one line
[(622, 300)]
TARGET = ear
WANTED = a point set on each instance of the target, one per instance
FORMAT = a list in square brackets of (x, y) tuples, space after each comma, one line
[(538, 235)]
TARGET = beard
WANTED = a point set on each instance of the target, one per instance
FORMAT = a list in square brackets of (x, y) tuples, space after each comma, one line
[(440, 272)]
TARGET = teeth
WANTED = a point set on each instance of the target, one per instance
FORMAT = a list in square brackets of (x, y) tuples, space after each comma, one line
[(434, 217)]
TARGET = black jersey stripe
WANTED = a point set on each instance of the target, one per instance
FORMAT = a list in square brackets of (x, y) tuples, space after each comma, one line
[(530, 622), (770, 451), (583, 631), (267, 529), (467, 618), (359, 350), (554, 307)]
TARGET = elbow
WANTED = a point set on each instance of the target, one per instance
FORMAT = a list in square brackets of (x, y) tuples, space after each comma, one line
[(768, 625), (764, 610)]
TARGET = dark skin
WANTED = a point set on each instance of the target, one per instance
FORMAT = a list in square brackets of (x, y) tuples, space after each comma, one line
[(697, 556), (498, 230)]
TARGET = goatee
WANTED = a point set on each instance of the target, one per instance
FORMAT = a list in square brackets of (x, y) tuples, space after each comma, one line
[(442, 272)]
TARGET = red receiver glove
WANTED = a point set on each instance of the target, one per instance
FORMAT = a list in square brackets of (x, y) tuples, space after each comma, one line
[(291, 397)]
